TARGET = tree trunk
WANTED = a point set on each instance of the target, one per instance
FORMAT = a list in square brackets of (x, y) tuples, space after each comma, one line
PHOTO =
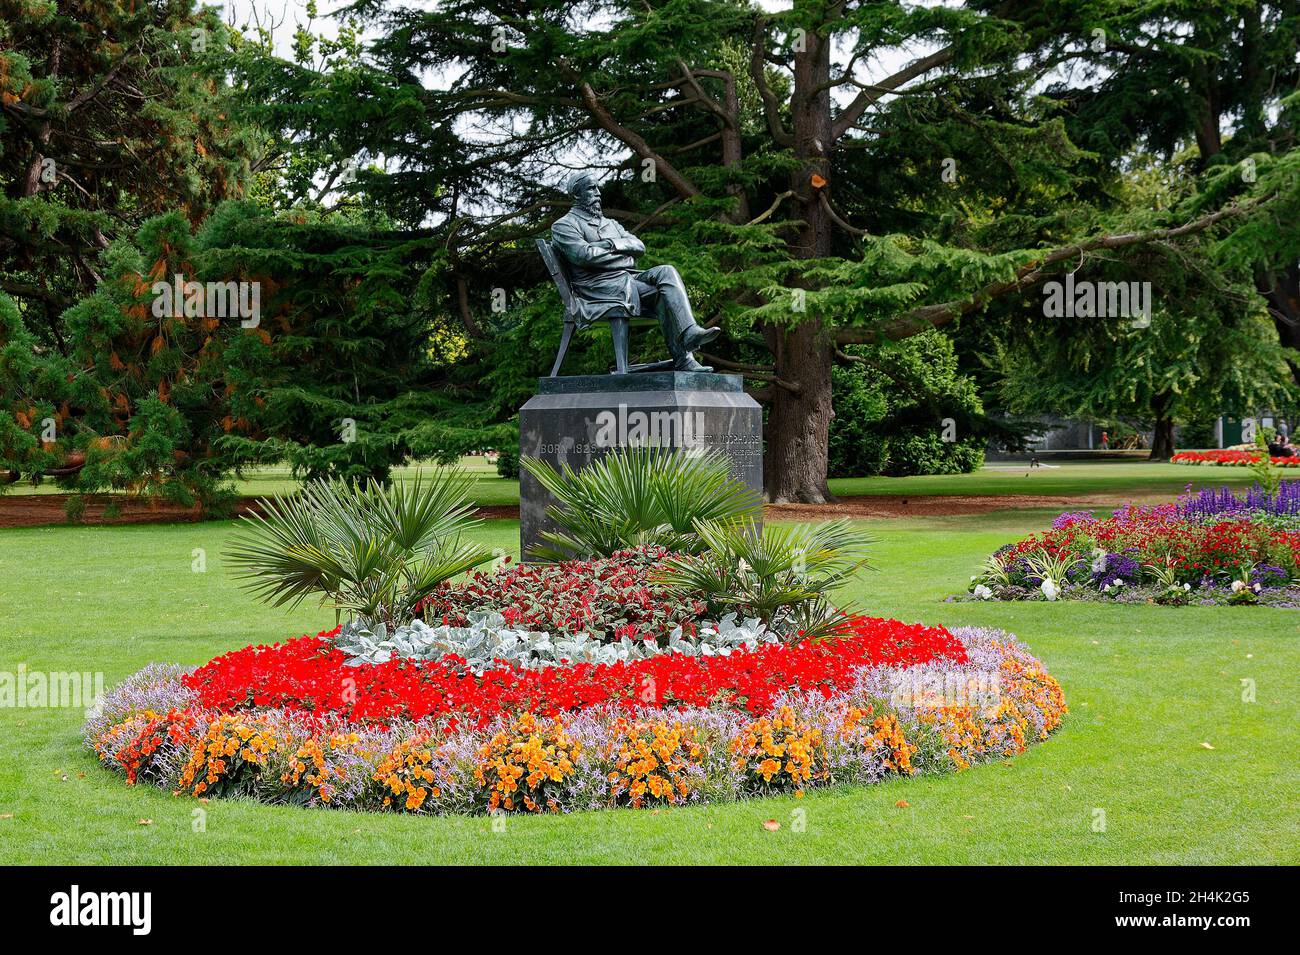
[(1281, 291), (1162, 441), (798, 426)]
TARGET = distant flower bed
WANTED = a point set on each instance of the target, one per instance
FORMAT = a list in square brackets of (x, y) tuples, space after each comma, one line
[(282, 724), (1208, 548), (1233, 458)]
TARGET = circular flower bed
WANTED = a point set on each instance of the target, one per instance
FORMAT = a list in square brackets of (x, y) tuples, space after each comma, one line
[(302, 722)]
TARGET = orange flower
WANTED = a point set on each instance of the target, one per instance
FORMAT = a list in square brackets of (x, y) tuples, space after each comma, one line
[(651, 759), (782, 752), (530, 752), (406, 769)]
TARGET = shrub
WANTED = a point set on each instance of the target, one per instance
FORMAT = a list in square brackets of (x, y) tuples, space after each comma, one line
[(780, 576), (892, 423), (639, 497), (508, 463), (376, 552)]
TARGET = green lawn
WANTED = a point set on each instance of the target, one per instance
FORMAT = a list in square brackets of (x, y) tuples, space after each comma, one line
[(1068, 478), (1114, 478), (1147, 688), (1118, 477), (488, 488)]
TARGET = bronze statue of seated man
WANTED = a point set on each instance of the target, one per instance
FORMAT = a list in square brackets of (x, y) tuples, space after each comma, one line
[(602, 256)]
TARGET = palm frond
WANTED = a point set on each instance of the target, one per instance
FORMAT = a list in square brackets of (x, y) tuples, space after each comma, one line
[(780, 574), (637, 497), (374, 551)]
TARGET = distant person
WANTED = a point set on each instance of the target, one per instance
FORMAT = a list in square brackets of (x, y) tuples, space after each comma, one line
[(1283, 433), (1105, 441)]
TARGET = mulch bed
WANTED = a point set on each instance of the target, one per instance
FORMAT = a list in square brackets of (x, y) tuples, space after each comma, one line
[(38, 510)]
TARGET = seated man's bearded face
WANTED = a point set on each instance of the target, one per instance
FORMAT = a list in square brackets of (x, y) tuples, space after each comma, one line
[(586, 194)]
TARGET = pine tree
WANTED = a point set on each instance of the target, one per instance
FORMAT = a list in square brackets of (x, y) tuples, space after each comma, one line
[(1206, 346), (1213, 90), (110, 112)]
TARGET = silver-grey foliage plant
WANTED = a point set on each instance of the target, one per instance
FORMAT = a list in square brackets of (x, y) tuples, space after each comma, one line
[(487, 639)]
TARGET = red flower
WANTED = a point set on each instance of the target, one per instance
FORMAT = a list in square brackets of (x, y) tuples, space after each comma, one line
[(310, 674)]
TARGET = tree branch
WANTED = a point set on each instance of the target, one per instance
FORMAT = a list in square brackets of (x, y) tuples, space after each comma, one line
[(772, 208), (934, 316), (711, 104), (873, 93), (836, 218), (466, 313), (771, 108), (754, 371), (85, 97), (605, 119)]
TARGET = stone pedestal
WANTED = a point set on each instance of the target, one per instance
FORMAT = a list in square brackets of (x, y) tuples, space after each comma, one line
[(579, 419)]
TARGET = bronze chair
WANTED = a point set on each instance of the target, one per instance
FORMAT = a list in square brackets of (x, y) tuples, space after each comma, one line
[(620, 320)]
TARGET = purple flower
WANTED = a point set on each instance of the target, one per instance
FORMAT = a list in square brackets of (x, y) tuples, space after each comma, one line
[(1073, 517), (1269, 575), (1111, 567), (1212, 502), (157, 688)]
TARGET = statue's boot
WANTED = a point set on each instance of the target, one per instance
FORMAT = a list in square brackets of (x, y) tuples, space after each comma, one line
[(698, 337), (687, 362)]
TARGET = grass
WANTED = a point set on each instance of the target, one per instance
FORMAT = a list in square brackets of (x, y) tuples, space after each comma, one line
[(1114, 478), (1147, 687), (1139, 478), (488, 488)]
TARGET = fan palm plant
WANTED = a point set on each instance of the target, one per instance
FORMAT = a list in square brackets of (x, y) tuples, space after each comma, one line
[(780, 575), (374, 552), (637, 497)]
